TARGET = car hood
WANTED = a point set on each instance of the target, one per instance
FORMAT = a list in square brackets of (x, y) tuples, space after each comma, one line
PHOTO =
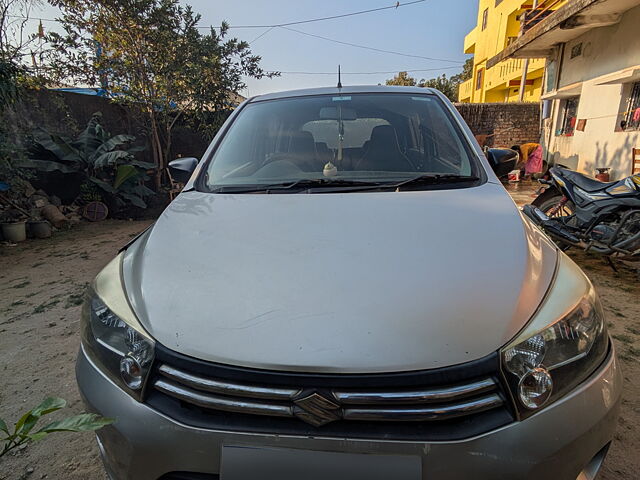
[(349, 283)]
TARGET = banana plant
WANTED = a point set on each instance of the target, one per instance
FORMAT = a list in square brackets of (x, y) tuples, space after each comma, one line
[(23, 431), (106, 161)]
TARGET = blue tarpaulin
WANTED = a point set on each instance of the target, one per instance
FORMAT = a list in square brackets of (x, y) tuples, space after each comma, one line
[(98, 92)]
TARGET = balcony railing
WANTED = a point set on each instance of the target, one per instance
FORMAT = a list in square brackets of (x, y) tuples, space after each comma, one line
[(512, 69)]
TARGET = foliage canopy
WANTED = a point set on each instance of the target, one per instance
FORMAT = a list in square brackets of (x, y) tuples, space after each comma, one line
[(152, 55)]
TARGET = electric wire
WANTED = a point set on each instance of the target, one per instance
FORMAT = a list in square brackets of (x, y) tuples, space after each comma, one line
[(386, 72), (365, 47), (396, 5)]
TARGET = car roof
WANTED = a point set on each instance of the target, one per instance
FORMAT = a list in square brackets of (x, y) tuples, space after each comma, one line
[(342, 91)]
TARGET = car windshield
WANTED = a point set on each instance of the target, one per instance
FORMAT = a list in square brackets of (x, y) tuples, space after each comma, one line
[(340, 139)]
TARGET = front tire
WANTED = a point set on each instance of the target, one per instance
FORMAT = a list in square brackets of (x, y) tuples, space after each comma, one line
[(550, 202)]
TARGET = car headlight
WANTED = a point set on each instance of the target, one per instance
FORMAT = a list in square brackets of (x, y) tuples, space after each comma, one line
[(111, 333), (564, 343)]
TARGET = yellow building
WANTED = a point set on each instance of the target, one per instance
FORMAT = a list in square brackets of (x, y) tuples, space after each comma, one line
[(499, 24)]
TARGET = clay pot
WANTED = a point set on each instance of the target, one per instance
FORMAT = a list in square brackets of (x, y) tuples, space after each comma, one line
[(14, 231), (39, 229)]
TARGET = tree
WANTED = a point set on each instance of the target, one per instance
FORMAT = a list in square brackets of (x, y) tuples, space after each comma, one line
[(14, 39), (467, 72), (403, 80), (151, 55), (448, 86)]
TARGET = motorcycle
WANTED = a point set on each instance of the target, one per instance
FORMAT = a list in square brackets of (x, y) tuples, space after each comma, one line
[(579, 211)]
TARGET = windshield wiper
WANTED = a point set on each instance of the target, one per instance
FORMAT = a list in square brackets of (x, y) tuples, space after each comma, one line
[(322, 182), (329, 185), (434, 179), (340, 184)]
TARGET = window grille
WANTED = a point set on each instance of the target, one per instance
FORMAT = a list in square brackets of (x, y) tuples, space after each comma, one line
[(632, 114)]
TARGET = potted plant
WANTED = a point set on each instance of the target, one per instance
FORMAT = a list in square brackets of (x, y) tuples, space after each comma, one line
[(39, 228), (13, 224)]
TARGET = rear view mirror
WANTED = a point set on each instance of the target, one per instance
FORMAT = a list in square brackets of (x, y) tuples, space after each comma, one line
[(502, 160), (182, 168), (333, 113)]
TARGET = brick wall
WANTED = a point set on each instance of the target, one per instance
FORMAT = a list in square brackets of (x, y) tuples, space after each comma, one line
[(502, 124)]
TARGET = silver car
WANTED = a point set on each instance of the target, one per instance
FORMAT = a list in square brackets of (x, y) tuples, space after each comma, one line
[(345, 290)]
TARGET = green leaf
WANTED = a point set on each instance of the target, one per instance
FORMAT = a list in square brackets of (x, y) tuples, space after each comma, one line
[(34, 437), (124, 173), (22, 421), (102, 184), (110, 158), (46, 166), (3, 427), (48, 405), (134, 199), (88, 141), (58, 146), (78, 423), (140, 148), (145, 165), (29, 419), (142, 191), (112, 143)]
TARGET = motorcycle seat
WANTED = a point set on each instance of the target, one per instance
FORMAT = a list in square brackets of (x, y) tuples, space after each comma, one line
[(587, 184)]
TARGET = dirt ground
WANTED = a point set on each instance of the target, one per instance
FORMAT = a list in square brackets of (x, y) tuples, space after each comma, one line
[(41, 285)]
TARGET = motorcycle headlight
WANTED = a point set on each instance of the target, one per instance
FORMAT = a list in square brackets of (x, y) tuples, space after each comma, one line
[(563, 345), (111, 333)]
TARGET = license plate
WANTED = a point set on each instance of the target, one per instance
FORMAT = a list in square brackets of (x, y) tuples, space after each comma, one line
[(242, 463)]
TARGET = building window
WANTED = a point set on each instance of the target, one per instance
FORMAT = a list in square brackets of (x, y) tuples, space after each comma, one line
[(498, 2), (631, 115), (485, 18), (479, 78), (576, 51), (568, 117)]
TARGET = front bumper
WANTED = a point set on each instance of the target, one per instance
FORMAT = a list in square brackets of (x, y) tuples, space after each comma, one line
[(560, 442)]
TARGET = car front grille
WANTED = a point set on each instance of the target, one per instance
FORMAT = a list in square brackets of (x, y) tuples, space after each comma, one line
[(428, 402), (320, 408)]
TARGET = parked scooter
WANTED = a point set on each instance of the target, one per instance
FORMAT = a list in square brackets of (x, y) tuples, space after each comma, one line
[(578, 211)]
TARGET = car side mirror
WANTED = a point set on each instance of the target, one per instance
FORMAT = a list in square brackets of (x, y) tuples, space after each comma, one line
[(502, 160), (182, 168)]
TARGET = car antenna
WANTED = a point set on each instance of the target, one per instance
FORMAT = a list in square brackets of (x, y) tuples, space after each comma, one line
[(339, 80)]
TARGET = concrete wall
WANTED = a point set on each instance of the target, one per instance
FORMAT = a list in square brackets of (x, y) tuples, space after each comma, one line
[(505, 124), (605, 51)]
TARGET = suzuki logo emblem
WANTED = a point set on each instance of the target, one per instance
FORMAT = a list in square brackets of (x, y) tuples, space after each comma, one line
[(316, 409)]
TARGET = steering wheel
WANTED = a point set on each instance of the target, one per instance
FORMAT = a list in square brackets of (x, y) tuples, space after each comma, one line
[(299, 161), (277, 168)]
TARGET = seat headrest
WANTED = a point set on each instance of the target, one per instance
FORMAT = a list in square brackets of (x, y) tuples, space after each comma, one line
[(302, 142), (322, 147), (384, 135)]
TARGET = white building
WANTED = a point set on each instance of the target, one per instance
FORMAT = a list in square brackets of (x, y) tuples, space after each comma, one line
[(591, 103)]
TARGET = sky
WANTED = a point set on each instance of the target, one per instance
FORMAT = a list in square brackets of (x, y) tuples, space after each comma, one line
[(433, 28)]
